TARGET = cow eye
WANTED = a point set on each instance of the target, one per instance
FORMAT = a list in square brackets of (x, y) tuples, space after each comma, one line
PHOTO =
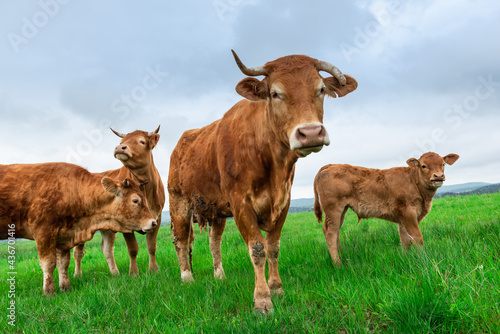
[(275, 95), (321, 91), (424, 166), (136, 201), (142, 142)]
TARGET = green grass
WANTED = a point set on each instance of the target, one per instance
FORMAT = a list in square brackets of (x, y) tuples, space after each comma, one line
[(451, 286)]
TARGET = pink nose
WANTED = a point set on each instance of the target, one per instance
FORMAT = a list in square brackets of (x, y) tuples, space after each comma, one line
[(438, 176), (311, 135)]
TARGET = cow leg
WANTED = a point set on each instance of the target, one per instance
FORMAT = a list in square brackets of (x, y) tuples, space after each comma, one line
[(215, 230), (107, 247), (151, 243), (246, 221), (46, 247), (273, 250), (334, 218), (78, 253), (63, 259), (182, 232), (133, 250), (409, 232)]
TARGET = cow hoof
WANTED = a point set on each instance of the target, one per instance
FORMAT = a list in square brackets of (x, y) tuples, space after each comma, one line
[(77, 274), (219, 274), (65, 288), (187, 277), (277, 292), (263, 306), (49, 291), (154, 269)]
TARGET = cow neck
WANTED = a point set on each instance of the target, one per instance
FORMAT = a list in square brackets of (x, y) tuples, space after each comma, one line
[(150, 174)]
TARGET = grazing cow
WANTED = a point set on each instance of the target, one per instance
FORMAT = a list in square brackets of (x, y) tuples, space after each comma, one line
[(242, 165), (136, 153), (60, 205), (401, 195)]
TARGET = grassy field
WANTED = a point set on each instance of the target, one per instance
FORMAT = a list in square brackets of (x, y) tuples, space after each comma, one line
[(452, 286)]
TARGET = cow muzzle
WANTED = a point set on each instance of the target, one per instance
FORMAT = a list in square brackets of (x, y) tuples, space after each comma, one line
[(149, 226), (122, 152), (308, 138), (438, 179)]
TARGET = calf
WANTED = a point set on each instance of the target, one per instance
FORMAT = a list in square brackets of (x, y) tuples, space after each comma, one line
[(61, 205), (136, 153), (401, 195)]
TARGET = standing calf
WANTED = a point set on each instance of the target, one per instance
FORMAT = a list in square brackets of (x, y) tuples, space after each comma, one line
[(60, 205), (402, 195)]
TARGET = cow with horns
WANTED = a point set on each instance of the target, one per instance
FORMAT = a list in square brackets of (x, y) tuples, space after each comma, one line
[(136, 153), (242, 165)]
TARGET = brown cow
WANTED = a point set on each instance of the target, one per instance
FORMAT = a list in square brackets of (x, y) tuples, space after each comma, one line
[(401, 195), (60, 205), (136, 153), (242, 165)]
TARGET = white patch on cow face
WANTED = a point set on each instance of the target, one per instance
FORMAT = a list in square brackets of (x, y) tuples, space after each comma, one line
[(318, 137)]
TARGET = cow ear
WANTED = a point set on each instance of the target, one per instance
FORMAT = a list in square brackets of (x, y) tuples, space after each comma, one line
[(335, 89), (153, 140), (412, 162), (451, 158), (110, 186), (252, 89)]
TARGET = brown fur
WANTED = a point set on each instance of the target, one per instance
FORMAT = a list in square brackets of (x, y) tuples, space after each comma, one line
[(138, 148), (60, 205), (401, 195), (242, 166)]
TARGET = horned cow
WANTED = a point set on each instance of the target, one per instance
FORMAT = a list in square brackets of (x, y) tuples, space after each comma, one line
[(242, 165)]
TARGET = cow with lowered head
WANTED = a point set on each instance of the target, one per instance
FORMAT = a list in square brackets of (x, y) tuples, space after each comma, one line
[(242, 165), (402, 195), (61, 205), (136, 153)]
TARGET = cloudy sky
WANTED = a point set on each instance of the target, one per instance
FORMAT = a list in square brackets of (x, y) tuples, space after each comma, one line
[(428, 74)]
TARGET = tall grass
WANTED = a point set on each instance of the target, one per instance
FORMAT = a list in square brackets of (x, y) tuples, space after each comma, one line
[(450, 286)]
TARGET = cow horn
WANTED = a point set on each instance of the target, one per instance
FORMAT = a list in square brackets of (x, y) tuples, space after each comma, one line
[(126, 184), (155, 131), (327, 67), (121, 135), (251, 71)]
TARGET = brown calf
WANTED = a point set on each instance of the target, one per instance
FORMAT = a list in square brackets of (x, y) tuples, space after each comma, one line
[(60, 205), (136, 153), (243, 164), (401, 195)]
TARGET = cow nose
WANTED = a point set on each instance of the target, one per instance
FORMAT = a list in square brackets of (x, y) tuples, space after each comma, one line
[(438, 176), (124, 147), (154, 223), (311, 135)]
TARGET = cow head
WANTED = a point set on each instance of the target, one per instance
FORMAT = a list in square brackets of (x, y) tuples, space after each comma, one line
[(294, 91), (135, 149), (129, 208), (430, 168)]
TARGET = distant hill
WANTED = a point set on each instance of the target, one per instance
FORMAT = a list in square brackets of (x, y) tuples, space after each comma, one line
[(489, 189), (460, 188)]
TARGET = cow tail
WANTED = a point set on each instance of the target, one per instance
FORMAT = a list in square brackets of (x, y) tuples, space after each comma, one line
[(317, 206)]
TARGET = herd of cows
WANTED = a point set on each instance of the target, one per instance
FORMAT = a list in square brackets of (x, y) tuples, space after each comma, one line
[(240, 166)]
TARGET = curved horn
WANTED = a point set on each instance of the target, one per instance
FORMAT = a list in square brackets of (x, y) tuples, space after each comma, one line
[(327, 67), (155, 131), (121, 135), (251, 71)]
